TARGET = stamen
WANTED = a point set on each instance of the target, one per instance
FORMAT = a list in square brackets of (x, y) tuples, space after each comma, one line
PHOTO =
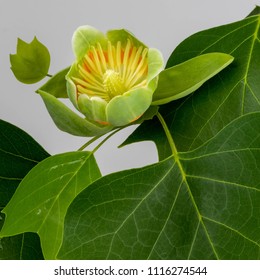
[(90, 64), (83, 90), (118, 56), (130, 62), (97, 61), (102, 57), (87, 85), (88, 77), (125, 59), (110, 55), (139, 71)]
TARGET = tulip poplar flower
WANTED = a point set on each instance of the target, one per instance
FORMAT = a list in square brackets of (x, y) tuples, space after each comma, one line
[(114, 76), (114, 80)]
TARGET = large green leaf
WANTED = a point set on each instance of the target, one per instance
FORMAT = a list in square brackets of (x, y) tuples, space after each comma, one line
[(19, 153), (41, 200), (232, 93), (203, 204)]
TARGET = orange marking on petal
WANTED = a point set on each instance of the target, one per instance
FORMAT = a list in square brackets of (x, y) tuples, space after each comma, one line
[(102, 122)]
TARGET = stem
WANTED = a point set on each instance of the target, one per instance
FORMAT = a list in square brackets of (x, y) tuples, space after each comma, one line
[(89, 142), (103, 141), (92, 140), (168, 135)]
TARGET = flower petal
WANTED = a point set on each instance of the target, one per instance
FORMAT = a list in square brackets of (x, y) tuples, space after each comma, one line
[(68, 121), (84, 37), (155, 63), (93, 108), (71, 87), (127, 108), (123, 36)]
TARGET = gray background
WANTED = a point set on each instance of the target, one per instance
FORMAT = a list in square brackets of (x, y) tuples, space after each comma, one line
[(162, 24)]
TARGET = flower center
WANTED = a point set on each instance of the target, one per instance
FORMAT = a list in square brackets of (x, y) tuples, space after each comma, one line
[(113, 71), (113, 83)]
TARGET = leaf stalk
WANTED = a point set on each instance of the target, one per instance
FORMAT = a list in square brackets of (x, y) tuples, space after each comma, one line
[(168, 135)]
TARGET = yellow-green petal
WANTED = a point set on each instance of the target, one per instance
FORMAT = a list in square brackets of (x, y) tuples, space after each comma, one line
[(155, 63), (84, 37), (127, 108), (93, 108), (123, 36)]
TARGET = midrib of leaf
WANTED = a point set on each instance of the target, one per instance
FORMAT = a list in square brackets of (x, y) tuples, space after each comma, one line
[(31, 194), (18, 156), (12, 145), (56, 200), (11, 179), (59, 193), (200, 218), (184, 179)]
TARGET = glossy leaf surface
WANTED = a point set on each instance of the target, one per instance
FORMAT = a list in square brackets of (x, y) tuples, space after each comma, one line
[(41, 200), (19, 153), (31, 62), (202, 204), (180, 208)]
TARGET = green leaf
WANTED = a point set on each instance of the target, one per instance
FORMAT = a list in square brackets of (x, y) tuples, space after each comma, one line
[(31, 62), (19, 153), (56, 85), (232, 93), (180, 80), (202, 204), (21, 247), (40, 202)]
